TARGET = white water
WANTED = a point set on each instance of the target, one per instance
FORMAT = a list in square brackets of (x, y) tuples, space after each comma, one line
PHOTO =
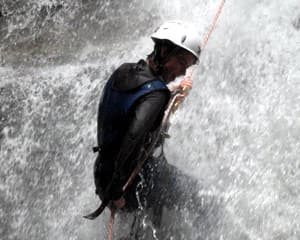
[(238, 132)]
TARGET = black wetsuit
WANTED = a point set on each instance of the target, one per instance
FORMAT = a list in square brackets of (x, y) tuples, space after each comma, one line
[(159, 184), (116, 161)]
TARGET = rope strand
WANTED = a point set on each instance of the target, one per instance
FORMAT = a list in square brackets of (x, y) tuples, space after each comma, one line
[(213, 25), (111, 223)]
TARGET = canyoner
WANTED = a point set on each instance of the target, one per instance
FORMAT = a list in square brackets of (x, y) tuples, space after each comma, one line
[(133, 115)]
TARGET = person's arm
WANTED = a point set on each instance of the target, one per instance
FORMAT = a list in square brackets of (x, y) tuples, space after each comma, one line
[(144, 116)]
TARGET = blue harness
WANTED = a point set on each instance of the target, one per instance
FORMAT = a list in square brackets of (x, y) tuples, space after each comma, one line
[(115, 110)]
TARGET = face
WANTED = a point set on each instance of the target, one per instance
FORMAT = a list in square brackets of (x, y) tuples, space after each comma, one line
[(176, 65)]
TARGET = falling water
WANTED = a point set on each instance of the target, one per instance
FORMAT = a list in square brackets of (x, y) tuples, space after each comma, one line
[(237, 133)]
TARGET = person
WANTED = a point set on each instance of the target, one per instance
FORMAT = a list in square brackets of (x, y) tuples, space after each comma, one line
[(130, 112)]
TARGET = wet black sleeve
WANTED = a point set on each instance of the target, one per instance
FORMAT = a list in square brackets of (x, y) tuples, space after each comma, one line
[(144, 118)]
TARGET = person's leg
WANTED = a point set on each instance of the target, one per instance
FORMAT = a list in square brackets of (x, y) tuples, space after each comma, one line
[(178, 196), (170, 186), (163, 192)]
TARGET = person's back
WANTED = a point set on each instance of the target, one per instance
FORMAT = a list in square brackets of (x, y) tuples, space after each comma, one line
[(133, 93)]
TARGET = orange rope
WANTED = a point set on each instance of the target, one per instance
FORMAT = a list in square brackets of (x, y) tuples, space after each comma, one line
[(213, 25), (111, 223)]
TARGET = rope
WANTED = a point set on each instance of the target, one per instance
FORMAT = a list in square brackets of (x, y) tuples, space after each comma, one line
[(213, 25), (111, 223)]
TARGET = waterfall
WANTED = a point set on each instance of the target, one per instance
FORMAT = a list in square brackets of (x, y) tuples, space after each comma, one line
[(237, 133)]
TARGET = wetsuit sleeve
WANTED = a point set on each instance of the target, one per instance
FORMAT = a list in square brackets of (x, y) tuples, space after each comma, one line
[(145, 115)]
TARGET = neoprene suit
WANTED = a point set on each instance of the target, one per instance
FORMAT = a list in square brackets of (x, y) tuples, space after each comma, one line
[(125, 128)]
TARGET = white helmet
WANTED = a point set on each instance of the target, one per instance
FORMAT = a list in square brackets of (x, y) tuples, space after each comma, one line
[(181, 34)]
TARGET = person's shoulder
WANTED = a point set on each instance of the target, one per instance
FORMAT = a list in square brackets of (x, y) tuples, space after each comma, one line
[(126, 67), (129, 76)]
